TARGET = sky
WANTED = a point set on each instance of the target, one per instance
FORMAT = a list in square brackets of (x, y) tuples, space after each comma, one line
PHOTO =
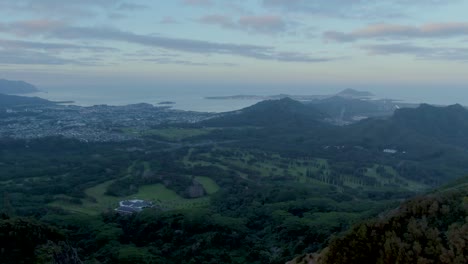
[(223, 43)]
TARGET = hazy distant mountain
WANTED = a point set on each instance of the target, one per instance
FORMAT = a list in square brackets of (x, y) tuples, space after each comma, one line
[(407, 126), (14, 100), (426, 132), (345, 110), (351, 93), (283, 112), (348, 93), (16, 87), (441, 122), (425, 124)]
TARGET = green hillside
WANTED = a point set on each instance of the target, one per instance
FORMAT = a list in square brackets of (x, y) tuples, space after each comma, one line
[(427, 229), (271, 113)]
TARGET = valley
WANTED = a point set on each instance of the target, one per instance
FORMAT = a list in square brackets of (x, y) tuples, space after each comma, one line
[(282, 188)]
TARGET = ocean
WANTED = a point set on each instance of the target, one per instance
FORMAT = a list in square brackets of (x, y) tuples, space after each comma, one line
[(183, 100), (193, 99)]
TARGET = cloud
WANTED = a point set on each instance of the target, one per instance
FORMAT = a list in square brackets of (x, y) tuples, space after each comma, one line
[(44, 46), (198, 2), (177, 44), (68, 9), (62, 31), (267, 24), (220, 20), (15, 57), (419, 52), (168, 20), (300, 57), (389, 31), (44, 53), (130, 7), (168, 60), (31, 27), (362, 9), (308, 5), (116, 16), (333, 8)]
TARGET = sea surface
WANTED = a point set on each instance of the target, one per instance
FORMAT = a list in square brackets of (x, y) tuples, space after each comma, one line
[(182, 100), (192, 99)]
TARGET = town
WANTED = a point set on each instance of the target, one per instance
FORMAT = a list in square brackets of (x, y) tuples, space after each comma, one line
[(99, 123)]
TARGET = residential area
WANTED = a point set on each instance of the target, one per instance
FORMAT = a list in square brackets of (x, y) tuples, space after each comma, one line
[(100, 123)]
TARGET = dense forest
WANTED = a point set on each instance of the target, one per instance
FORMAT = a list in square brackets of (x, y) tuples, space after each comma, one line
[(426, 229), (239, 189), (253, 215)]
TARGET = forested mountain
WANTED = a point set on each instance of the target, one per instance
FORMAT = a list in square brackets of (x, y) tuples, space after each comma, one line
[(413, 135), (427, 229), (14, 100), (407, 126), (352, 93), (233, 132), (259, 185), (16, 87), (446, 124), (271, 113), (426, 123), (346, 110), (24, 240)]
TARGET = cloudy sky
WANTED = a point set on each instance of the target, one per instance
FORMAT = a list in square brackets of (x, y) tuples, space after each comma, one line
[(349, 43)]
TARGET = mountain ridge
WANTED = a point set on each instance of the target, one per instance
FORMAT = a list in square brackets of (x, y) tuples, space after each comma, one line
[(271, 113), (352, 93), (16, 87), (16, 100)]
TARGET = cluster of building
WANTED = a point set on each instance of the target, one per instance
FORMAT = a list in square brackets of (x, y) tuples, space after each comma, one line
[(99, 123), (133, 206)]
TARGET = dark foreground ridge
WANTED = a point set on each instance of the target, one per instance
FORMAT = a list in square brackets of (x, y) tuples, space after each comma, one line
[(427, 229)]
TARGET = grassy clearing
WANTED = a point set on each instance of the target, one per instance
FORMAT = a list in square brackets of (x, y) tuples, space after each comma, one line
[(6, 182), (146, 166), (156, 192), (187, 162), (395, 179), (171, 134), (277, 166), (209, 185), (97, 201), (262, 163)]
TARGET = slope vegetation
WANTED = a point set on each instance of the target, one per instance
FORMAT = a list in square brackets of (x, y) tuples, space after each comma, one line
[(271, 113), (426, 229)]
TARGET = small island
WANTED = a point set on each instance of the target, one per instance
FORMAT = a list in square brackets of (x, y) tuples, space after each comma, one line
[(166, 103), (348, 93), (351, 93)]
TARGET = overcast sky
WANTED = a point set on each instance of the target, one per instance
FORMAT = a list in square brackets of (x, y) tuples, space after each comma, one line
[(224, 42)]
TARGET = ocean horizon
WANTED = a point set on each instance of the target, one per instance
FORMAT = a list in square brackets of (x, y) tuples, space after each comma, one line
[(195, 99)]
